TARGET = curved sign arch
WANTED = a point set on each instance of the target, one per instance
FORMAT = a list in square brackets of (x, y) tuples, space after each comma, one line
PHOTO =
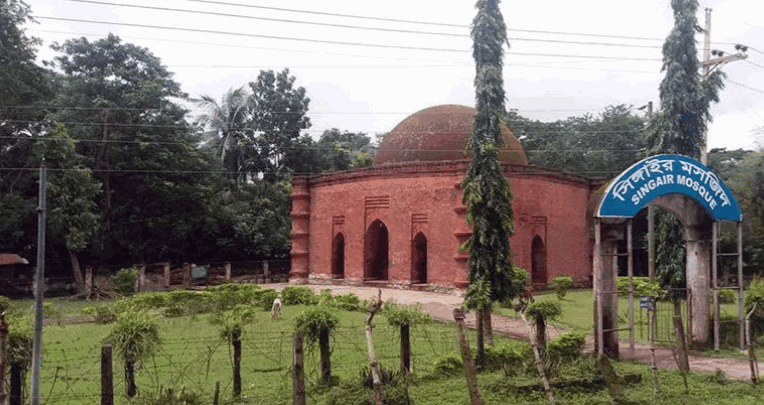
[(668, 174)]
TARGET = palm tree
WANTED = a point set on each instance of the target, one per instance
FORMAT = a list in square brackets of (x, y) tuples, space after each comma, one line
[(225, 122)]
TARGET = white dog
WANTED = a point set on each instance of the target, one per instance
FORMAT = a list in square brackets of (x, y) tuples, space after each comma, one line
[(276, 308)]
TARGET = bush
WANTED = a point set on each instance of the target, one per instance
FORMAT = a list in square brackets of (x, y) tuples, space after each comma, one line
[(449, 364), (348, 302), (642, 286), (567, 347), (150, 300), (544, 309), (509, 356), (264, 298), (124, 280), (561, 285), (398, 315), (314, 320), (227, 296), (298, 295)]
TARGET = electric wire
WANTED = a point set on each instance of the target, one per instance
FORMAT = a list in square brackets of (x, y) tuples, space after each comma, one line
[(745, 86)]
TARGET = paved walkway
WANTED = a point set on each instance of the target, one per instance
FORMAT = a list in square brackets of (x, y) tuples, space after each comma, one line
[(441, 306)]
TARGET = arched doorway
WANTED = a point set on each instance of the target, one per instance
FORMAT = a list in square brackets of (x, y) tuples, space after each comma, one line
[(419, 259), (338, 256), (538, 261), (377, 252)]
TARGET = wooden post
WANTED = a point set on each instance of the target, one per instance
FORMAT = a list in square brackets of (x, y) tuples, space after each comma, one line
[(186, 274), (88, 280), (480, 358), (3, 355), (405, 349), (167, 275), (469, 368), (326, 364), (487, 326), (236, 341), (216, 397), (107, 376), (375, 369), (298, 370), (227, 271), (533, 335), (682, 361), (651, 334), (131, 389), (16, 384)]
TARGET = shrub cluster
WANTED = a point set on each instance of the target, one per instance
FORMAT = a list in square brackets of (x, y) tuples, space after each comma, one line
[(642, 286), (561, 285)]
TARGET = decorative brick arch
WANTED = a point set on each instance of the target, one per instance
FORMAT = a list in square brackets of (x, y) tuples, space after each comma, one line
[(419, 259), (539, 273), (338, 256), (377, 252)]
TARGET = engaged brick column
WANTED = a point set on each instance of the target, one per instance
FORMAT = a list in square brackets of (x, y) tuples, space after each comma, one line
[(462, 233), (300, 230)]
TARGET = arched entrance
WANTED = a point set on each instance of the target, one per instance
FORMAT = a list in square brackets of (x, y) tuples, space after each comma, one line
[(377, 252), (419, 259), (338, 256), (538, 261)]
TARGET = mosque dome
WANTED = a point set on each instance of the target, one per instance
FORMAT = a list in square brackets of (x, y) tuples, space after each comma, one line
[(439, 133)]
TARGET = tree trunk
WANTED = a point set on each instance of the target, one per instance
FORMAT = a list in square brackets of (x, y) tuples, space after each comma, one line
[(131, 389), (541, 339), (487, 326), (682, 362), (236, 341), (375, 371), (539, 362), (405, 349), (78, 279), (480, 329), (326, 365), (298, 372), (3, 356), (469, 370), (17, 381)]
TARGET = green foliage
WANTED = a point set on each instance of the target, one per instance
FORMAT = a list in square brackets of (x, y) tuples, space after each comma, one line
[(315, 319), (567, 347), (134, 336), (227, 296), (5, 303), (754, 301), (360, 392), (234, 321), (726, 296), (124, 280), (670, 253), (298, 295), (398, 314), (168, 396), (510, 356), (561, 285), (150, 300), (264, 298), (547, 310), (51, 310), (642, 286), (347, 302), (487, 193), (449, 364), (20, 333)]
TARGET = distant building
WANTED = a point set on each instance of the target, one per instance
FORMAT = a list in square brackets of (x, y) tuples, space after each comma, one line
[(401, 221), (12, 265)]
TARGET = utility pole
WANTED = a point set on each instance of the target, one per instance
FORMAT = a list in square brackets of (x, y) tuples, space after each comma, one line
[(39, 289), (710, 64)]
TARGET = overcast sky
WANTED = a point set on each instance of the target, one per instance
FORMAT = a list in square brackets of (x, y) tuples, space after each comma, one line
[(559, 64)]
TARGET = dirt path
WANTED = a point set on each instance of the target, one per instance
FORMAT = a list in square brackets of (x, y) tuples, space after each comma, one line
[(441, 306)]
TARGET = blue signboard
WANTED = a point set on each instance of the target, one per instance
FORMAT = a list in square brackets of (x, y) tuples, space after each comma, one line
[(668, 174)]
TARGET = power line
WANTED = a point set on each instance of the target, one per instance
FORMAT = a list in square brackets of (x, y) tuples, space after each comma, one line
[(754, 64), (341, 42), (747, 87), (358, 27)]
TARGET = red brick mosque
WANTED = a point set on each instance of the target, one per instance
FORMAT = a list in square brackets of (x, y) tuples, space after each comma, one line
[(401, 221)]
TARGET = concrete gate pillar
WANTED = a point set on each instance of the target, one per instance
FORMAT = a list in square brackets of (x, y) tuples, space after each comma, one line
[(605, 273), (698, 282)]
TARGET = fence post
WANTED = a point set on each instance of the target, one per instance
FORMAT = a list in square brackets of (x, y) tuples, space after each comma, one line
[(3, 354), (107, 376), (16, 384), (216, 398), (166, 275), (88, 280), (266, 272), (469, 368), (326, 364), (227, 271), (236, 340), (298, 372), (405, 349)]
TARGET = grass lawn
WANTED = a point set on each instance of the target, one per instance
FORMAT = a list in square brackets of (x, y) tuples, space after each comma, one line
[(194, 357)]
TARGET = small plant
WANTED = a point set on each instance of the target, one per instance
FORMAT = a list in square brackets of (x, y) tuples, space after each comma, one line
[(561, 285), (135, 337), (449, 364), (509, 356), (150, 300), (398, 315), (567, 347), (264, 298), (233, 322), (314, 320), (726, 296), (298, 295), (168, 396), (642, 286), (124, 280)]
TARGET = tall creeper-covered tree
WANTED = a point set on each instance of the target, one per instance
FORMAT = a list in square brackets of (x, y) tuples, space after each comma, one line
[(680, 127), (487, 194)]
